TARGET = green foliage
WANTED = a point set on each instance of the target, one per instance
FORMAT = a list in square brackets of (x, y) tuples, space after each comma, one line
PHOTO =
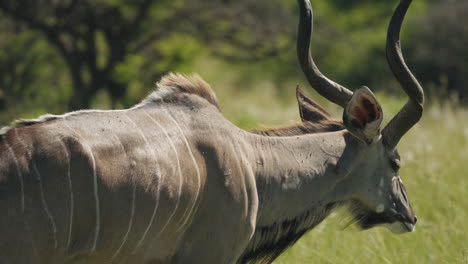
[(348, 44), (177, 52), (438, 48), (130, 44), (31, 75), (111, 46)]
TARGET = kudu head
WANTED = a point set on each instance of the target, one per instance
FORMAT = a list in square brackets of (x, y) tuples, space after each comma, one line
[(376, 192)]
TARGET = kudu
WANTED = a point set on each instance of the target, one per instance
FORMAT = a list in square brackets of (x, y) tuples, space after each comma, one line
[(172, 181)]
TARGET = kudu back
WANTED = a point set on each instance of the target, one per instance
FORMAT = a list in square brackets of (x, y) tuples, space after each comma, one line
[(172, 181)]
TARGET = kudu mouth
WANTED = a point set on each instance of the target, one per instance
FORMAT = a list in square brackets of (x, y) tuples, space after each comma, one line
[(366, 218)]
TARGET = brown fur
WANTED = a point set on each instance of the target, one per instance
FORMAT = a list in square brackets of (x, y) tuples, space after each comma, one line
[(305, 127), (180, 83)]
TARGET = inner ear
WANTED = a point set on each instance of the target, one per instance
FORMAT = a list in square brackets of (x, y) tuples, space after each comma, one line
[(363, 115), (365, 111)]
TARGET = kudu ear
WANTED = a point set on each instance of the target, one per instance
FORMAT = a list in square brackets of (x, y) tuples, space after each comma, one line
[(309, 109), (363, 115)]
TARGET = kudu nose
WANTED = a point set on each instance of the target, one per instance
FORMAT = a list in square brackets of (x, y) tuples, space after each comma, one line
[(415, 220)]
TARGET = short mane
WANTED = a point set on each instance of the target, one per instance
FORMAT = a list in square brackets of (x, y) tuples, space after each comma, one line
[(174, 83), (306, 127)]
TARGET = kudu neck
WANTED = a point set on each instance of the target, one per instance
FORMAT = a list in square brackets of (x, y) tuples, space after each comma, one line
[(299, 173)]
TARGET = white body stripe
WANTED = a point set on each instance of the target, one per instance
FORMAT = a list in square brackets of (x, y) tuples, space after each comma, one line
[(157, 191), (196, 168), (95, 183), (178, 169), (132, 210), (41, 191), (20, 176), (130, 224), (70, 187)]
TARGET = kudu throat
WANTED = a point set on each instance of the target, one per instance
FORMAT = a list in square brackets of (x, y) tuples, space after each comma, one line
[(295, 178)]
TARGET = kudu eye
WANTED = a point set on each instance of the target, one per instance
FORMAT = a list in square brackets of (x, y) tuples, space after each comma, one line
[(395, 164)]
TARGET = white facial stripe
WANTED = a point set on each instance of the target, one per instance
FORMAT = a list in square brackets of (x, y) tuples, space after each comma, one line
[(20, 175), (376, 138), (400, 227), (70, 186), (410, 227), (178, 169), (41, 190), (95, 188), (195, 165), (158, 174)]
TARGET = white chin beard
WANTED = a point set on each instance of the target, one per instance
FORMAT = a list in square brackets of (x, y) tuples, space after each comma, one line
[(400, 227)]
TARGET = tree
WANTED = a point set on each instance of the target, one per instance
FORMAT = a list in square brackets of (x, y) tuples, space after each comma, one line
[(441, 56), (25, 80), (98, 39)]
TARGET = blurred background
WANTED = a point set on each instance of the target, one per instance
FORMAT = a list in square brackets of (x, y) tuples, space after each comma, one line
[(57, 56), (63, 55)]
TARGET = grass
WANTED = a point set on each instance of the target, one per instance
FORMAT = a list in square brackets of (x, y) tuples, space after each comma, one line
[(435, 164)]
